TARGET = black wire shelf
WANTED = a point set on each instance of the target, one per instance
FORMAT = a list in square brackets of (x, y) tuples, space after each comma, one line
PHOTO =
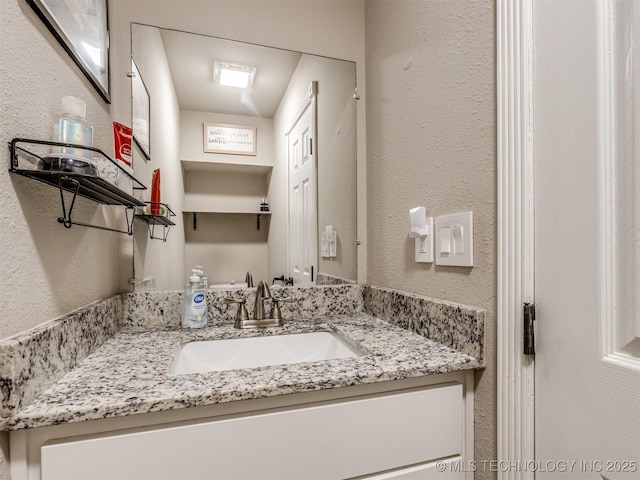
[(153, 221), (27, 155)]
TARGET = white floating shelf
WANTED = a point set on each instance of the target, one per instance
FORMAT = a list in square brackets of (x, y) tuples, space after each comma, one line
[(236, 167)]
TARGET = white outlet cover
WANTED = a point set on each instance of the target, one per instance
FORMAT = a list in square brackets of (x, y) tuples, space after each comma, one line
[(454, 240), (424, 245)]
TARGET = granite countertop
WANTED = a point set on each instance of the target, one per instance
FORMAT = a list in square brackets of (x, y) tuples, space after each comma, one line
[(128, 374)]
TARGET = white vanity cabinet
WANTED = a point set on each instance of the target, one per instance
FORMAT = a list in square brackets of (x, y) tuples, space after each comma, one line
[(369, 431)]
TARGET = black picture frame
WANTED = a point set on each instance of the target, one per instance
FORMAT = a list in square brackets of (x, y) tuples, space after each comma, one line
[(82, 29)]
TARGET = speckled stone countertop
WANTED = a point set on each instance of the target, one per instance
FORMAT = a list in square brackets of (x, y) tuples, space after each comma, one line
[(128, 374)]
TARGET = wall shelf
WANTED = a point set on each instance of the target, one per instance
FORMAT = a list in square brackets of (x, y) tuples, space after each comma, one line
[(195, 214), (25, 161), (88, 186), (225, 188), (227, 212), (219, 167), (153, 221)]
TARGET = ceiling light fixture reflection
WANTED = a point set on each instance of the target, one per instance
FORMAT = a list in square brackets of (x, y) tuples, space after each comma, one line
[(233, 74)]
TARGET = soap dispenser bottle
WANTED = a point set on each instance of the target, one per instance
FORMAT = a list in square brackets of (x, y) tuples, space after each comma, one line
[(195, 303), (204, 283), (71, 127)]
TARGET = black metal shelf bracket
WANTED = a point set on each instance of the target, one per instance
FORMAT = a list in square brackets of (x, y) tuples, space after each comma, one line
[(165, 232), (66, 220)]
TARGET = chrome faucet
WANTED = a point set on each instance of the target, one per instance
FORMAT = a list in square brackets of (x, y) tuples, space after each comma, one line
[(259, 321), (262, 293)]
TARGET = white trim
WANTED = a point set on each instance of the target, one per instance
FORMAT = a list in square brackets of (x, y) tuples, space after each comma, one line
[(606, 175), (515, 231), (468, 422)]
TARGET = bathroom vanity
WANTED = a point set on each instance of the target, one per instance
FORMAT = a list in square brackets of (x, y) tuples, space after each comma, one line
[(402, 407), (310, 436)]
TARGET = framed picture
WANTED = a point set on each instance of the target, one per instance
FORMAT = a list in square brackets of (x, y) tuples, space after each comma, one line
[(141, 111), (82, 28), (231, 139)]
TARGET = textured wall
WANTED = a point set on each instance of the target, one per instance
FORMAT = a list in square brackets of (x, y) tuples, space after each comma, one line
[(47, 270), (431, 140)]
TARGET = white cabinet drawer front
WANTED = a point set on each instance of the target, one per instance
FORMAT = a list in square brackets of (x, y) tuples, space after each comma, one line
[(441, 470), (338, 440)]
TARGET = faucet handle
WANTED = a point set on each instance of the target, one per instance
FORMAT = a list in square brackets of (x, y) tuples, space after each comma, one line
[(242, 313), (275, 306), (286, 282)]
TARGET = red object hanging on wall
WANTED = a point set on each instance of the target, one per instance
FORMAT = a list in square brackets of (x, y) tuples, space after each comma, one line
[(122, 140), (155, 192)]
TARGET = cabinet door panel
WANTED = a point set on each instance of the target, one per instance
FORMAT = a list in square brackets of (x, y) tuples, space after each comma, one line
[(337, 440)]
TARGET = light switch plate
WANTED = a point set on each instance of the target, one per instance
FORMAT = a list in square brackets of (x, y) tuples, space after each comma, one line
[(424, 245), (454, 240)]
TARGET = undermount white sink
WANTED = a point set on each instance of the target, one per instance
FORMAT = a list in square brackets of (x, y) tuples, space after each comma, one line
[(234, 353)]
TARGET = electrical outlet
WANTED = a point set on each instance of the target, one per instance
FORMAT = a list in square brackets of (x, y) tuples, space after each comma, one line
[(424, 245)]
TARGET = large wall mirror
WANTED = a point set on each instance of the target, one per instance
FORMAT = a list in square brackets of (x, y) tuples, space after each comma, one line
[(287, 140)]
